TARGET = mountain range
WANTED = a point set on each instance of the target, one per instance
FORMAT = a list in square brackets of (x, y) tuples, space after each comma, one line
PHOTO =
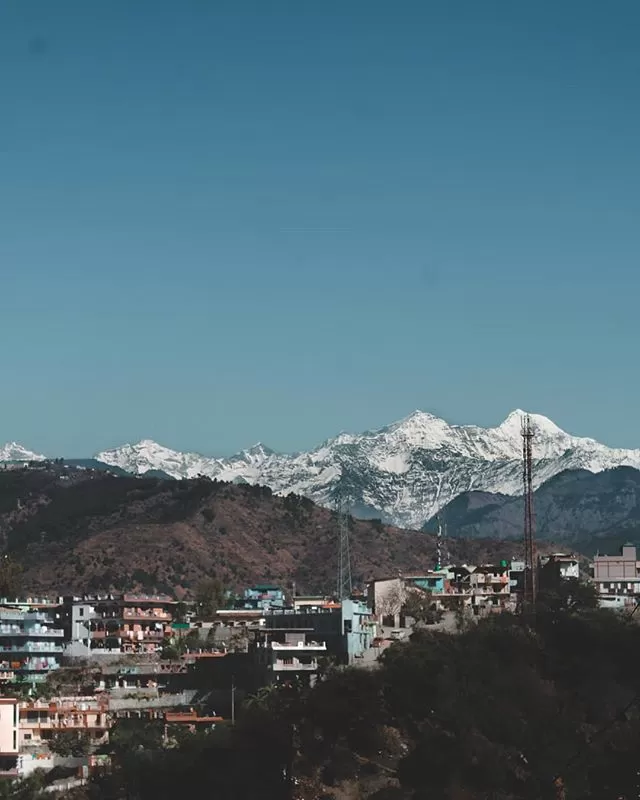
[(581, 510), (402, 474)]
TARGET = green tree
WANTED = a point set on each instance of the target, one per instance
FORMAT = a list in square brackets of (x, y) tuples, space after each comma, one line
[(172, 648), (181, 611), (421, 606), (210, 596), (70, 743), (134, 735), (557, 595), (10, 577)]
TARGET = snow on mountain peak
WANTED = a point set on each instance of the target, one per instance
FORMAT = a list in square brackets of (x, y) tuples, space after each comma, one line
[(148, 455), (403, 473), (12, 451), (421, 429), (541, 425)]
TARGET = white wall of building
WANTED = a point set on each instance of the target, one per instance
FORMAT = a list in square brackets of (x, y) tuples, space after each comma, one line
[(8, 725)]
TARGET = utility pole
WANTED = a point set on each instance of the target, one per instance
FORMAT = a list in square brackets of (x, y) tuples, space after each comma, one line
[(439, 545), (233, 700), (530, 577)]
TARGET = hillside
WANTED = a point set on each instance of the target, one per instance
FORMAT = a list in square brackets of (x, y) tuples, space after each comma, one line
[(584, 510), (403, 473), (84, 530)]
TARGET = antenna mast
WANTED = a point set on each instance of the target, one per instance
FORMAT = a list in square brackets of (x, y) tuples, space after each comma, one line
[(344, 586), (530, 588)]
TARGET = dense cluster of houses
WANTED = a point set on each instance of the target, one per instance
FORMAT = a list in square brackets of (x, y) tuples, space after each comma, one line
[(149, 656)]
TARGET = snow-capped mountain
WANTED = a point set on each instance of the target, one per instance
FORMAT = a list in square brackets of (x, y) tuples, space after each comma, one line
[(12, 451), (403, 473), (148, 455)]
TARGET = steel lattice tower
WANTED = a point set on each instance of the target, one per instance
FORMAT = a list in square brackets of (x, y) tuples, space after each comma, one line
[(530, 587), (439, 545), (344, 586)]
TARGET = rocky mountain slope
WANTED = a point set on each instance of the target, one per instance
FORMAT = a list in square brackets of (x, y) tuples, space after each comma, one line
[(402, 473), (78, 530), (579, 509)]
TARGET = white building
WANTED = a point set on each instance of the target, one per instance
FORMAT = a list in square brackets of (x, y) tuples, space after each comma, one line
[(8, 736), (294, 655)]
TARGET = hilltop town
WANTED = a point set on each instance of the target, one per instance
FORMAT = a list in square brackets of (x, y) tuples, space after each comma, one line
[(77, 667)]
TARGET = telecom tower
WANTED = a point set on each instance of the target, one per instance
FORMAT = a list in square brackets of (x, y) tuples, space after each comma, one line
[(439, 545), (442, 548), (530, 588), (343, 585)]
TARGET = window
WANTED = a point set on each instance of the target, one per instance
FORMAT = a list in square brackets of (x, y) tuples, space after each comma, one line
[(81, 612)]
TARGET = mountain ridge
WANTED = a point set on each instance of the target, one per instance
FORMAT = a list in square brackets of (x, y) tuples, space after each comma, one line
[(76, 530), (583, 510), (402, 473)]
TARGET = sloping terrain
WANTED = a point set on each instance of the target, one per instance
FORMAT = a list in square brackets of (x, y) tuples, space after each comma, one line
[(82, 530), (402, 473), (583, 510)]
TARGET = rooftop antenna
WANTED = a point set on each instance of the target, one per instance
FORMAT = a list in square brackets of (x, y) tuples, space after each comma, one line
[(344, 586), (530, 588)]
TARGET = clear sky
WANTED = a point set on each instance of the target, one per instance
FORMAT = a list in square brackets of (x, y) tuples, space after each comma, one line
[(223, 222)]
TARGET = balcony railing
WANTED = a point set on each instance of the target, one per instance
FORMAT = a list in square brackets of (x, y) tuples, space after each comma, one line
[(84, 704), (298, 646), (30, 632), (142, 613), (32, 647), (24, 616), (32, 666), (65, 725), (281, 666)]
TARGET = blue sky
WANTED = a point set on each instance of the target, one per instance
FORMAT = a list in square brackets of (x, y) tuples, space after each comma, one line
[(223, 222)]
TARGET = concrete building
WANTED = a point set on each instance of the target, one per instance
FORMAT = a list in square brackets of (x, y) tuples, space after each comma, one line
[(617, 577), (130, 623), (286, 654), (8, 736), (40, 720), (30, 645), (566, 564), (490, 585), (311, 601), (263, 596), (516, 577), (347, 629), (387, 596)]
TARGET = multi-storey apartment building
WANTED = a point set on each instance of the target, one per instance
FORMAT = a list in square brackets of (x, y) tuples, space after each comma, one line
[(617, 578), (30, 645), (129, 623), (287, 654), (40, 720), (347, 628)]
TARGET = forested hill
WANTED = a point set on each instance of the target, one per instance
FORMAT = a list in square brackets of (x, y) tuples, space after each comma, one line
[(577, 509), (79, 530)]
